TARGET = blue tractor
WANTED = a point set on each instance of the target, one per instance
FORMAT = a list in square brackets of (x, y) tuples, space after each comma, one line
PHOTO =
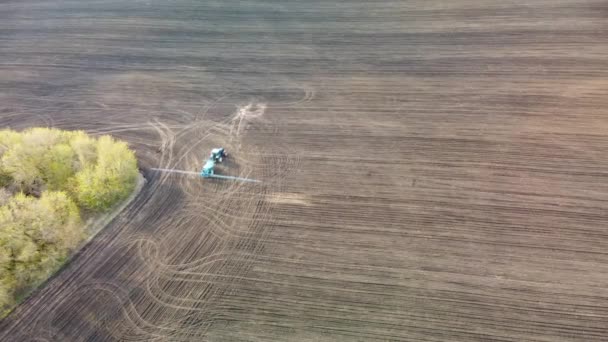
[(208, 171), (208, 168), (218, 154)]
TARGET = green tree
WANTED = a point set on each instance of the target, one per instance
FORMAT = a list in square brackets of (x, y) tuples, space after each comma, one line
[(58, 167), (44, 174), (112, 179), (85, 148), (37, 235), (8, 139), (39, 157), (20, 163)]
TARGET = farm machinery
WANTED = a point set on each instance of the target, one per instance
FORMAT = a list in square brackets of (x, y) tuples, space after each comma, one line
[(217, 155)]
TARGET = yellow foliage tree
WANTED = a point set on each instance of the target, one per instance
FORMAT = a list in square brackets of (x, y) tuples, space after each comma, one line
[(97, 172), (8, 139), (53, 173), (37, 234), (85, 148), (40, 156), (111, 179)]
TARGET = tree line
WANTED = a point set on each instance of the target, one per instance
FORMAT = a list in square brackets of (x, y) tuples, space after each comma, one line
[(49, 180)]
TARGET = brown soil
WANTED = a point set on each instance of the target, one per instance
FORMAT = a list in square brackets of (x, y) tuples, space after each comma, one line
[(432, 170)]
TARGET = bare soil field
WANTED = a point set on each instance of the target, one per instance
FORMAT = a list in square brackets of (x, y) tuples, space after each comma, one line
[(431, 170)]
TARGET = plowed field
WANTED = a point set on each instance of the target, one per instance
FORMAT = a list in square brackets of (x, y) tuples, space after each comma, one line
[(431, 170)]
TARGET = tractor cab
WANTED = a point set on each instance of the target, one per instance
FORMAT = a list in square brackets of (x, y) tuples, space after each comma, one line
[(208, 168), (218, 154)]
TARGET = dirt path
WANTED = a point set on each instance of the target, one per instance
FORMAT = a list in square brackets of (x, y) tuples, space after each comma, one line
[(431, 170)]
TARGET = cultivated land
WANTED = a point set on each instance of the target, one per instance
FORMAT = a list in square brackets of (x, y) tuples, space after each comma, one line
[(432, 170)]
